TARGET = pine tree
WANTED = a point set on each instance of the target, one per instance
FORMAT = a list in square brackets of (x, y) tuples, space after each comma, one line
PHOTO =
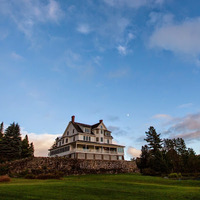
[(12, 142), (31, 150), (156, 160), (25, 147), (1, 131), (153, 140)]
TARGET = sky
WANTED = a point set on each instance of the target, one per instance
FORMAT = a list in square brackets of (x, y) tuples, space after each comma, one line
[(132, 63)]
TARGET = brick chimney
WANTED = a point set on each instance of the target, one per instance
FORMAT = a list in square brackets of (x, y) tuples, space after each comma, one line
[(73, 119), (101, 120)]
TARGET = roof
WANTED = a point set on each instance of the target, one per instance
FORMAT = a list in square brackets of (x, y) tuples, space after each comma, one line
[(77, 126)]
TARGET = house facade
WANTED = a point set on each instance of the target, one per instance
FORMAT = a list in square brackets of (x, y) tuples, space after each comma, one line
[(83, 141)]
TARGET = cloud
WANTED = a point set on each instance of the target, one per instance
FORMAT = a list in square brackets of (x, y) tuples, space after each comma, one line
[(119, 73), (84, 28), (113, 128), (162, 116), (113, 118), (133, 152), (42, 142), (187, 127), (122, 50), (117, 130), (132, 3), (180, 38), (27, 14), (16, 56), (186, 105)]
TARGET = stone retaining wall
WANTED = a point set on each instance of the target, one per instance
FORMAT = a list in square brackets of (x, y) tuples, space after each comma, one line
[(68, 166)]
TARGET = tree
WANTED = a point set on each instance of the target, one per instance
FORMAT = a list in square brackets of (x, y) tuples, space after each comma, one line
[(31, 150), (12, 142), (25, 147), (1, 131), (153, 140)]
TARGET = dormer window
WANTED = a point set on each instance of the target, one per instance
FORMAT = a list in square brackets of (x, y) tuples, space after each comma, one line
[(87, 130)]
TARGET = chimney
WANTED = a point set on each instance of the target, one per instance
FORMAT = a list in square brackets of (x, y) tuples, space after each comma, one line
[(73, 119), (101, 120)]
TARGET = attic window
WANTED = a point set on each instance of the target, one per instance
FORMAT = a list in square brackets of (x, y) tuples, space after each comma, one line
[(87, 130), (101, 126), (67, 132)]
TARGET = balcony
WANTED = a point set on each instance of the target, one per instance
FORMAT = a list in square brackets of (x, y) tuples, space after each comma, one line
[(99, 151)]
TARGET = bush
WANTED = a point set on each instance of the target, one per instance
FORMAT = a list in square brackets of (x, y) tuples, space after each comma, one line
[(30, 176), (175, 175), (4, 178), (149, 171), (4, 170), (48, 176)]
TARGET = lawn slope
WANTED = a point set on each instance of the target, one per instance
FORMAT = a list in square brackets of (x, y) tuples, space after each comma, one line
[(121, 186)]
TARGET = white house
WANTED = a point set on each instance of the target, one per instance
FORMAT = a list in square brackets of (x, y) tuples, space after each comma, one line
[(83, 141)]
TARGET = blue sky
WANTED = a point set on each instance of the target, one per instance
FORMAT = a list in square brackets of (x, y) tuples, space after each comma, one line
[(132, 63)]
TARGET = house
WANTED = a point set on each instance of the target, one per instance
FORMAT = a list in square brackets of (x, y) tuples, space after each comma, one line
[(83, 141)]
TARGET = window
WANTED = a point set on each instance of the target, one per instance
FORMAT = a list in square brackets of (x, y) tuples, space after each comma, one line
[(97, 131), (101, 131), (62, 141), (101, 139), (73, 138), (66, 140), (97, 139), (87, 130), (120, 150), (107, 133), (89, 139), (84, 137), (67, 132), (101, 127), (108, 141)]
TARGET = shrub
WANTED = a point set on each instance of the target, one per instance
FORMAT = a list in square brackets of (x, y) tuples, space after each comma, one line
[(4, 178), (3, 170), (30, 176), (149, 171), (175, 175), (48, 176)]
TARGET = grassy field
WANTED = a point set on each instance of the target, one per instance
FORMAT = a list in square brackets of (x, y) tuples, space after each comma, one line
[(122, 186)]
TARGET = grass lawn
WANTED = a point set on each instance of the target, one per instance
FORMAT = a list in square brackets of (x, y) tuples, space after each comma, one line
[(121, 186)]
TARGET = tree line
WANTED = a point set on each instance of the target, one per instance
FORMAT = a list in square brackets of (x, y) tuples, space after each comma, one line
[(12, 146), (164, 156)]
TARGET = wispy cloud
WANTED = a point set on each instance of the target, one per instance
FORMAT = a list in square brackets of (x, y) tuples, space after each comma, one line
[(119, 73), (27, 14), (180, 38), (84, 28), (16, 56), (122, 50), (186, 105), (187, 127), (132, 3), (161, 116)]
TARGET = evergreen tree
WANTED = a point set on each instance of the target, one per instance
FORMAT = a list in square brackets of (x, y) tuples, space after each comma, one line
[(12, 142), (31, 150), (25, 147), (156, 160), (1, 131), (153, 140)]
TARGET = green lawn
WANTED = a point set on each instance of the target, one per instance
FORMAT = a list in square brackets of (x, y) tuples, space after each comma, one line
[(111, 187)]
